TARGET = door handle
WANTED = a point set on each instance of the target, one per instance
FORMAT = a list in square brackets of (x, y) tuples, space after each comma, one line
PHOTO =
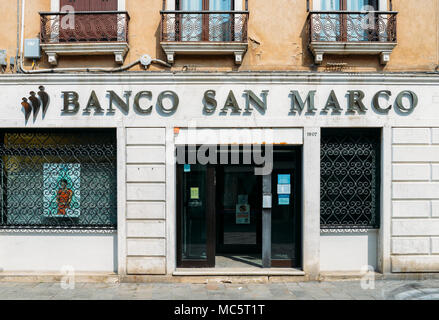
[(266, 201)]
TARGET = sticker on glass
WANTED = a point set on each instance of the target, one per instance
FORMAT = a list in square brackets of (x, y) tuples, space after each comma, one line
[(284, 179), (284, 189), (284, 199), (195, 193)]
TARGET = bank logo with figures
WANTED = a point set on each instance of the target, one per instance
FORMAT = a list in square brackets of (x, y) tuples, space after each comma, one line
[(35, 102)]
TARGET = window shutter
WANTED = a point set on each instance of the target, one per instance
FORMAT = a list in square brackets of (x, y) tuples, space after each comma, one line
[(78, 5), (103, 5)]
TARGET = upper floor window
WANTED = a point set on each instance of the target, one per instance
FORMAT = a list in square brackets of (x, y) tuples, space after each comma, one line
[(78, 27), (349, 26), (352, 26), (206, 26), (349, 5), (92, 26)]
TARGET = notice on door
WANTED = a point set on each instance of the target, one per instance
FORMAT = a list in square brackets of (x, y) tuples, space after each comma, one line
[(243, 214), (283, 189), (195, 193)]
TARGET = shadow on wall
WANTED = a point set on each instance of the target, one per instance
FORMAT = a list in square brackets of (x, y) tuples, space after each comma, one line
[(307, 56)]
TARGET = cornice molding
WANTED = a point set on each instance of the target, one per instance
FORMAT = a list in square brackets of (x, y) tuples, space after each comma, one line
[(251, 77)]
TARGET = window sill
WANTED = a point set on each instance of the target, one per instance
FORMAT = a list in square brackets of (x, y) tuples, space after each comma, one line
[(221, 48), (320, 48), (53, 50), (348, 230), (58, 230)]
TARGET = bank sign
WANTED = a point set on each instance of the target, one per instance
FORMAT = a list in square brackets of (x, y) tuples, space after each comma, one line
[(166, 103)]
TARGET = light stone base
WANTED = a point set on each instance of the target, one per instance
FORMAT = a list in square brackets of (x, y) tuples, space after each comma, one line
[(221, 48), (54, 50), (384, 49)]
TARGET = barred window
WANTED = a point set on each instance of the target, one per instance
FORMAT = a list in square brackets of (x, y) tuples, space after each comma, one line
[(61, 179), (350, 179)]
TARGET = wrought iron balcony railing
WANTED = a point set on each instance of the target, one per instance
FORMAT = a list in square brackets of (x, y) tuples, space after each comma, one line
[(352, 26), (207, 26), (84, 26)]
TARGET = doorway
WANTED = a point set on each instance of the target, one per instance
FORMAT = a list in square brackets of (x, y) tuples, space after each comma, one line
[(220, 210)]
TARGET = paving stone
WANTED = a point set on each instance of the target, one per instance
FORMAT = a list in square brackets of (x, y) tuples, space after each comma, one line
[(346, 290)]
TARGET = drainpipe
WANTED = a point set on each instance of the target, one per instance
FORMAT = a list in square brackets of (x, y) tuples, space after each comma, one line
[(144, 60), (18, 36)]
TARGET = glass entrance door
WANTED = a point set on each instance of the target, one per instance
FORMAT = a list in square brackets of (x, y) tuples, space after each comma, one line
[(238, 210), (196, 224), (285, 212), (220, 211)]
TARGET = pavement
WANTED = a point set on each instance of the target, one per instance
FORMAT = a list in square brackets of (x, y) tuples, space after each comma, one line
[(335, 290)]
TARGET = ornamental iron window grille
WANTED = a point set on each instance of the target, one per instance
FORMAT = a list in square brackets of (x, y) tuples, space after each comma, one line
[(350, 179), (89, 26), (58, 179)]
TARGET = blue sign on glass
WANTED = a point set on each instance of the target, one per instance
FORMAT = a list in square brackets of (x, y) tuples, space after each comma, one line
[(284, 199), (283, 179), (187, 168)]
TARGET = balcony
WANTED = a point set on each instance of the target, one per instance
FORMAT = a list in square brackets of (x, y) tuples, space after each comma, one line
[(84, 33), (352, 32), (204, 32)]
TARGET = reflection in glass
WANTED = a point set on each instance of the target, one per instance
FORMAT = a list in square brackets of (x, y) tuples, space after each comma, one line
[(194, 212)]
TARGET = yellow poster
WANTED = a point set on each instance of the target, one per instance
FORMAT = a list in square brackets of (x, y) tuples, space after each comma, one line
[(195, 194)]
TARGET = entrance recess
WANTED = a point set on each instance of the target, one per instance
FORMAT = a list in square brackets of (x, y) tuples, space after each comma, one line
[(223, 211)]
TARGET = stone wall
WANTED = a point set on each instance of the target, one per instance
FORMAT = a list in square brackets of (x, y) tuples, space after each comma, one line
[(146, 196), (415, 200)]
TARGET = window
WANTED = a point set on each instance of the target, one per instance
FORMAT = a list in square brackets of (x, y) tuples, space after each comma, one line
[(58, 179), (91, 27), (206, 27), (350, 178), (350, 26), (195, 27)]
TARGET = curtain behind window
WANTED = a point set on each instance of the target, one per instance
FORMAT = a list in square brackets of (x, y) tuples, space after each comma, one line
[(191, 24), (356, 27), (360, 26), (220, 25), (329, 5), (330, 23), (352, 5)]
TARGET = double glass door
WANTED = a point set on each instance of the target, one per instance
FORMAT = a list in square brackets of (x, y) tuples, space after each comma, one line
[(220, 212)]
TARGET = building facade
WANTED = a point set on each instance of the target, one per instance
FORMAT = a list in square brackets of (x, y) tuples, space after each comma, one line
[(184, 139)]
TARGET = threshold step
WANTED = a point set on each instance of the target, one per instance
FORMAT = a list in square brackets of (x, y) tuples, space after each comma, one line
[(238, 272)]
